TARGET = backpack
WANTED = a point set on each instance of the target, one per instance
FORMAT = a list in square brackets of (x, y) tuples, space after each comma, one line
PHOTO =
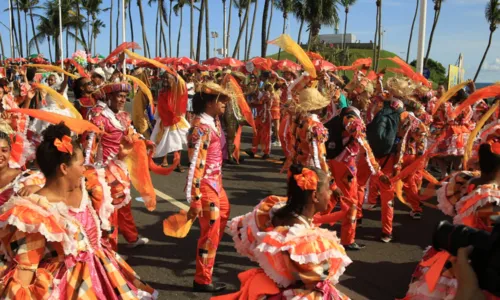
[(335, 145), (382, 131)]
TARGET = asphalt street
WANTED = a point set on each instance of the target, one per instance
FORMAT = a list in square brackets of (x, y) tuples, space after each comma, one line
[(381, 271)]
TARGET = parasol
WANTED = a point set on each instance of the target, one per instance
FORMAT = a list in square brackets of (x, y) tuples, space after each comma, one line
[(230, 62), (314, 55), (323, 65), (286, 65), (212, 61)]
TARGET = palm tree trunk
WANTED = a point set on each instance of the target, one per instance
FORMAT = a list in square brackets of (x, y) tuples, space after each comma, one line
[(131, 23), (80, 27), (200, 29), (144, 37), (26, 34), (33, 30), (375, 39), (269, 25), (246, 31), (20, 29), (111, 27), (156, 30), (117, 22), (76, 41), (484, 55), (89, 30), (164, 39), (253, 26), (240, 34), (239, 17), (1, 47), (309, 40), (284, 28), (379, 36), (95, 36), (436, 19), (207, 30), (179, 35), (224, 25), (411, 32), (191, 36), (345, 28), (170, 30), (300, 31), (50, 49), (67, 42), (228, 28), (263, 46)]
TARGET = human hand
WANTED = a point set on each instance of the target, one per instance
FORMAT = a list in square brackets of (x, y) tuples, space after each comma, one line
[(28, 190), (468, 286), (194, 212)]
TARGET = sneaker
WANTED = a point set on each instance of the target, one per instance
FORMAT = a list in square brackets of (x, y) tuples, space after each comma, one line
[(354, 247), (416, 215), (140, 241), (359, 222), (250, 153), (277, 144), (369, 206), (265, 156), (385, 238)]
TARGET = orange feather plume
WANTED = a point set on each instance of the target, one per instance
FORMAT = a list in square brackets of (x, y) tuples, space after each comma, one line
[(59, 99), (230, 83), (286, 43), (51, 68), (358, 63), (162, 170), (137, 163), (78, 126), (79, 68), (144, 88), (151, 61), (121, 48), (484, 93), (408, 71), (473, 134)]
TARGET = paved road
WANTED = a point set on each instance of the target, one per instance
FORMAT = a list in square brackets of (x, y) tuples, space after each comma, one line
[(381, 271)]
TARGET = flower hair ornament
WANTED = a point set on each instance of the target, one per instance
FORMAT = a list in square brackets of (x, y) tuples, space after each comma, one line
[(64, 145), (494, 145), (307, 180)]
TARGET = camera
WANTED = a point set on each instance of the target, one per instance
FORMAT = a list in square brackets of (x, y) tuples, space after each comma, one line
[(485, 258)]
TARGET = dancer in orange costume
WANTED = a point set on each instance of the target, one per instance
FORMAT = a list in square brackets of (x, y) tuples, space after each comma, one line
[(297, 259), (347, 145), (263, 122), (116, 123), (204, 190)]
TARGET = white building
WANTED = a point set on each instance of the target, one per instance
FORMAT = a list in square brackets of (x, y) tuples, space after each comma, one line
[(337, 38)]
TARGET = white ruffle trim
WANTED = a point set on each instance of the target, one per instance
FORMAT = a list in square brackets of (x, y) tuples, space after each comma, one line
[(491, 196), (107, 208), (443, 204), (143, 295)]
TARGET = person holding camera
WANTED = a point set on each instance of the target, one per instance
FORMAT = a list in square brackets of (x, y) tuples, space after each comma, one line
[(472, 199)]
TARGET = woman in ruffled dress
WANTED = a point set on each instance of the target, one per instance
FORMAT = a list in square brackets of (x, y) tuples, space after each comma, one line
[(51, 240), (471, 198), (297, 259)]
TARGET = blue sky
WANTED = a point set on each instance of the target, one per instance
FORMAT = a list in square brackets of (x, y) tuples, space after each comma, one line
[(462, 28)]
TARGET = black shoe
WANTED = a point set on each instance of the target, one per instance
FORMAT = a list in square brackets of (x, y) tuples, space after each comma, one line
[(250, 153), (354, 247), (283, 159), (386, 238), (208, 288), (242, 159), (359, 222), (265, 156), (231, 162)]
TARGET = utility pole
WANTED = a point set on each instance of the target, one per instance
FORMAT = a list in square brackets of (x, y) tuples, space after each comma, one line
[(60, 36), (421, 37), (215, 35)]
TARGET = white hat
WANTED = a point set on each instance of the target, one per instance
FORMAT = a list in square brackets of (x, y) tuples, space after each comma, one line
[(99, 71)]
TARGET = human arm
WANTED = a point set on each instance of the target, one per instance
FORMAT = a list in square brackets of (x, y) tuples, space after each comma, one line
[(198, 142)]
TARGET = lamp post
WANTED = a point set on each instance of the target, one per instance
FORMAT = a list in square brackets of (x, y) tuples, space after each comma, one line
[(60, 37), (421, 36), (215, 35)]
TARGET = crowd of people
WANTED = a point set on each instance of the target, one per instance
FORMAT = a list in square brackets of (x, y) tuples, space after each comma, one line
[(67, 169)]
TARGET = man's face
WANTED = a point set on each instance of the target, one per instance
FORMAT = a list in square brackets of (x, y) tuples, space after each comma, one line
[(87, 86), (97, 80), (441, 90), (117, 101)]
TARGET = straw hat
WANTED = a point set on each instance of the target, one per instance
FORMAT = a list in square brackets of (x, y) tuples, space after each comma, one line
[(311, 99), (399, 87), (213, 88)]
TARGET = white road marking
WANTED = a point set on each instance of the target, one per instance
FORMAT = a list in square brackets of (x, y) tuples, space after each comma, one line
[(180, 204)]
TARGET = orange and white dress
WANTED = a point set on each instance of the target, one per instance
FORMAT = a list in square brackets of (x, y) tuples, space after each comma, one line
[(469, 205), (63, 247), (296, 262)]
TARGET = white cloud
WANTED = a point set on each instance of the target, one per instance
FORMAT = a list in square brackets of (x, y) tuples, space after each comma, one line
[(492, 67)]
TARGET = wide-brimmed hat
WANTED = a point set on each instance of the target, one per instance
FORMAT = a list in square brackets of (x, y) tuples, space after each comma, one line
[(213, 88), (399, 87), (116, 88), (310, 99), (100, 72)]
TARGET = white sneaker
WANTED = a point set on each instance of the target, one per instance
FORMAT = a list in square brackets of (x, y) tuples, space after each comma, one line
[(369, 206), (276, 144), (140, 241)]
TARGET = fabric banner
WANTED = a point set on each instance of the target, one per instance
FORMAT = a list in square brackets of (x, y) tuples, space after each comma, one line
[(455, 76)]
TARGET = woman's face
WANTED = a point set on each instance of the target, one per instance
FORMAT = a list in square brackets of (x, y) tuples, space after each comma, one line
[(74, 171), (51, 80), (323, 196), (4, 153), (87, 86)]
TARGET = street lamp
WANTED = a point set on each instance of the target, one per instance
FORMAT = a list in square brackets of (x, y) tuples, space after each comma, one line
[(215, 35)]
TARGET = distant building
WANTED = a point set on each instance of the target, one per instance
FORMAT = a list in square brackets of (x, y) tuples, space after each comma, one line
[(337, 38)]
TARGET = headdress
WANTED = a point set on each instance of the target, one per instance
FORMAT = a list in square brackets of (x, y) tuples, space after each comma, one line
[(311, 99), (307, 180), (64, 145), (100, 72), (116, 88), (213, 88)]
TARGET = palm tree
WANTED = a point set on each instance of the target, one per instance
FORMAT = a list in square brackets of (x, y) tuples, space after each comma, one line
[(191, 30), (224, 25), (20, 29), (200, 29), (76, 3), (270, 21), (207, 31), (162, 17), (263, 46), (228, 28), (376, 40), (118, 17), (239, 4), (170, 31), (144, 36), (379, 5), (28, 6), (411, 31), (437, 12), (96, 30), (111, 27), (492, 14), (93, 8), (251, 32), (129, 5), (178, 10), (299, 12), (285, 6), (346, 4)]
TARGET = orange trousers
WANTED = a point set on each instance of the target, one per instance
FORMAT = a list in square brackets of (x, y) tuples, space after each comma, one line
[(377, 188), (215, 213), (412, 184), (262, 135), (122, 220), (345, 178)]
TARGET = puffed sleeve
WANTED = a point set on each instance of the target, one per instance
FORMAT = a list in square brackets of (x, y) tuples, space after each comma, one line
[(356, 129)]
